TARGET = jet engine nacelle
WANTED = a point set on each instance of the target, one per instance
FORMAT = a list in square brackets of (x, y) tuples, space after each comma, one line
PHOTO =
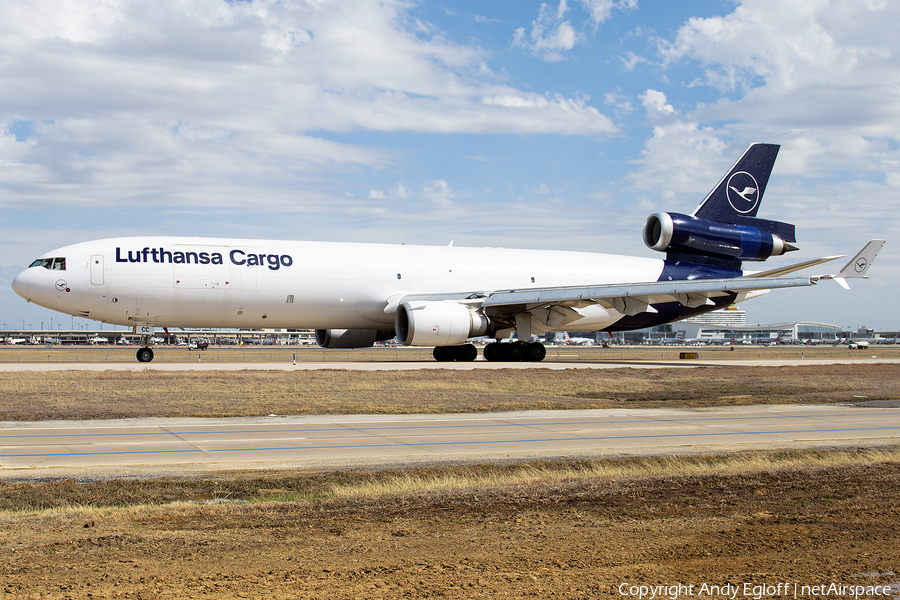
[(673, 232), (438, 323), (351, 338)]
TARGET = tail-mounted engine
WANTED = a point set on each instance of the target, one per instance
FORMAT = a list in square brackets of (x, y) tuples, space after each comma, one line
[(750, 239)]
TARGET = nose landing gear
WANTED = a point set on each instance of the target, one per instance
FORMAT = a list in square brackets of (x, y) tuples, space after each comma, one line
[(145, 354)]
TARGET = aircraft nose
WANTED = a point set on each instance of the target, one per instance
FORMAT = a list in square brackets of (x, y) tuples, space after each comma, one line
[(20, 284)]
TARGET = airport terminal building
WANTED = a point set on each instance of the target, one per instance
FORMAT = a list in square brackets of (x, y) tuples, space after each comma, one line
[(729, 325)]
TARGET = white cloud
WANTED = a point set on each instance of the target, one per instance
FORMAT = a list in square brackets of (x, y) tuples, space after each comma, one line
[(786, 44), (438, 192), (168, 100), (655, 103), (681, 157), (820, 70), (397, 192), (817, 76), (552, 33), (620, 101), (601, 10), (631, 60)]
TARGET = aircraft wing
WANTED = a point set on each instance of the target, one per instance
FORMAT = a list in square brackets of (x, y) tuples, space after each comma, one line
[(639, 297), (634, 298)]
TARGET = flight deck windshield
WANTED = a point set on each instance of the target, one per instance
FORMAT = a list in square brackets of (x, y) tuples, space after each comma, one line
[(53, 264)]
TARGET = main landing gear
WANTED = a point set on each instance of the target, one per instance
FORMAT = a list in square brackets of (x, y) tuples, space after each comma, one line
[(515, 352), (464, 353), (495, 352)]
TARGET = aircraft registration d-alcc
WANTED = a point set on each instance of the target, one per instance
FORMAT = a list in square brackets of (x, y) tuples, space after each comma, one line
[(356, 294)]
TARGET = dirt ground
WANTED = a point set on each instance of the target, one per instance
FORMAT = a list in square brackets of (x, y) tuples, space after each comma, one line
[(582, 539), (590, 537)]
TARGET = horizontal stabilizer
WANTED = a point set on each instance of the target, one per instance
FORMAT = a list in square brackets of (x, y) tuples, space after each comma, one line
[(796, 267), (785, 231)]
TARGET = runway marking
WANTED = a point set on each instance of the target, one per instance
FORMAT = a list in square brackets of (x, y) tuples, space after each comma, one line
[(464, 443), (360, 425), (175, 441)]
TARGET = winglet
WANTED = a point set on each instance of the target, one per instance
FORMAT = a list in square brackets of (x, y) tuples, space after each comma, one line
[(859, 264)]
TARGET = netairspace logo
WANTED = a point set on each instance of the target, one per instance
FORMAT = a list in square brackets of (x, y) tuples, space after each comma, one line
[(753, 590)]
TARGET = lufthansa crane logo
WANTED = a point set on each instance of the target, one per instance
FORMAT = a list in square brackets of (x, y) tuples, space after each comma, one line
[(861, 265), (62, 286), (743, 192)]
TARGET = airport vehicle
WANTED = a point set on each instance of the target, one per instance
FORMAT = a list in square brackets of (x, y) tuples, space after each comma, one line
[(355, 295), (198, 345)]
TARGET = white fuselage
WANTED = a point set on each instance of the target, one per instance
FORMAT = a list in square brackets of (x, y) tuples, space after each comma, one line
[(237, 283)]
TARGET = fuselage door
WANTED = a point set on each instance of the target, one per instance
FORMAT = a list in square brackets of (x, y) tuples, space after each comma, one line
[(97, 269)]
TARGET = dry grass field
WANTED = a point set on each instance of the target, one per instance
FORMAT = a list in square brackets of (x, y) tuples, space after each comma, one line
[(37, 395), (547, 530)]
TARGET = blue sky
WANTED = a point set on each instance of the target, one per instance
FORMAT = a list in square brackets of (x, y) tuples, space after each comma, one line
[(557, 125)]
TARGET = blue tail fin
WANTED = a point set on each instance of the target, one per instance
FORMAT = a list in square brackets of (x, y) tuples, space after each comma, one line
[(740, 192), (737, 196)]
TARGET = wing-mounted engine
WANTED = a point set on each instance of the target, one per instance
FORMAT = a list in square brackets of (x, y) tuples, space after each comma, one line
[(748, 239), (438, 323), (351, 338)]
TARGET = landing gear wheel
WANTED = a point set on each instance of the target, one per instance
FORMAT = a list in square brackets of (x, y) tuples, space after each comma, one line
[(467, 353), (508, 352), (535, 352), (442, 354), (145, 355), (514, 352), (464, 353)]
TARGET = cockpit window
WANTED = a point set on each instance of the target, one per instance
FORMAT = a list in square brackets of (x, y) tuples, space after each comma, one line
[(52, 264)]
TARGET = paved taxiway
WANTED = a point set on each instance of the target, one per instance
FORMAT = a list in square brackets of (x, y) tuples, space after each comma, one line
[(421, 365), (153, 447)]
